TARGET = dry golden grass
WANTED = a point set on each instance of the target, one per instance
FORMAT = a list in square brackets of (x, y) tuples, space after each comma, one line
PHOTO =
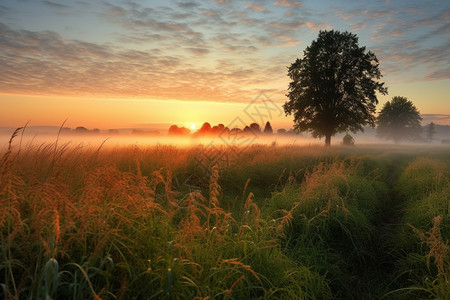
[(439, 251), (136, 222)]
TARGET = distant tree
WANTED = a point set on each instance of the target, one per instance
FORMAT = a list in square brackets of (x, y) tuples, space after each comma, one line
[(175, 130), (225, 130), (205, 129), (294, 131), (348, 140), (81, 129), (398, 120), (215, 129), (235, 130), (333, 86), (281, 131), (268, 128), (431, 131), (255, 128)]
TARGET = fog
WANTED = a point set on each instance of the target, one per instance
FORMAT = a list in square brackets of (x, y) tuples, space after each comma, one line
[(37, 138), (117, 140)]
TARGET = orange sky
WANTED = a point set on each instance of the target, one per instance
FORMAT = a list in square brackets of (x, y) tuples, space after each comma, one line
[(108, 112)]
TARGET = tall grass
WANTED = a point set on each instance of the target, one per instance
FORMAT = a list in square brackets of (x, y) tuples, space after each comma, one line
[(153, 223), (331, 230), (421, 243), (81, 224)]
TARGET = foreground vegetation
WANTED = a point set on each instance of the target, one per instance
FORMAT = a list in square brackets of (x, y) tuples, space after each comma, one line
[(267, 222)]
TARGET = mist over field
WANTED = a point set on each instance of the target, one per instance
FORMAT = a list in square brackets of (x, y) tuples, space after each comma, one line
[(125, 137)]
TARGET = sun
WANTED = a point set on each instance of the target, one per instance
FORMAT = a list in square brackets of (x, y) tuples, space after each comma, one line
[(192, 126)]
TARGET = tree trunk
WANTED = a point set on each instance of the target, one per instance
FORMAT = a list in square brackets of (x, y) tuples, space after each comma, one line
[(328, 140)]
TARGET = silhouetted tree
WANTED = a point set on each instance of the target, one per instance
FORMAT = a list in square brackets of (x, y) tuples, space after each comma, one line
[(333, 86), (255, 128), (205, 129), (81, 129), (235, 131), (281, 131), (268, 128), (398, 120), (175, 130), (431, 131)]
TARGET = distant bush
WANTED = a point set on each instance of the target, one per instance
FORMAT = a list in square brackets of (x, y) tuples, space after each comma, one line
[(348, 140)]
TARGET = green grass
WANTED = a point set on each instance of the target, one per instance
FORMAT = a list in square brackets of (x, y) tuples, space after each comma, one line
[(269, 223)]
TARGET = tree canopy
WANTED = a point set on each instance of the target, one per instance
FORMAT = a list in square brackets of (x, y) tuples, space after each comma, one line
[(333, 87), (399, 120)]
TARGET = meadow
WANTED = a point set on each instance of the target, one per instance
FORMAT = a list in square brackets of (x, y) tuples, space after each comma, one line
[(260, 222)]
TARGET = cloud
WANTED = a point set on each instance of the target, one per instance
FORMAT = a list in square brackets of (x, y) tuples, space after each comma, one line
[(438, 75), (188, 4), (288, 3), (256, 7), (443, 29), (317, 26), (198, 51), (407, 61), (55, 4), (218, 50), (292, 25), (442, 119), (346, 15), (159, 23), (4, 11), (44, 63), (288, 41)]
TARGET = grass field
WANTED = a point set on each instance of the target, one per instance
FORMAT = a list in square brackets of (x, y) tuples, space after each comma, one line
[(264, 222)]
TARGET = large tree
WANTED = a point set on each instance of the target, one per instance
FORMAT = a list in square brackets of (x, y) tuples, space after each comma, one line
[(399, 120), (334, 85)]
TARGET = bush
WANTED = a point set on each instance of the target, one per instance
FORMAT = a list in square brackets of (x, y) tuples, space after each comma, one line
[(348, 140)]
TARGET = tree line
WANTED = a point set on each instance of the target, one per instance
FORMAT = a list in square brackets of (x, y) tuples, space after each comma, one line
[(208, 130)]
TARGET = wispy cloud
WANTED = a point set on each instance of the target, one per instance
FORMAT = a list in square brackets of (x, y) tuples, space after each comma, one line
[(256, 7), (288, 3), (408, 61), (435, 118), (292, 25), (188, 4), (55, 4), (45, 63), (288, 41)]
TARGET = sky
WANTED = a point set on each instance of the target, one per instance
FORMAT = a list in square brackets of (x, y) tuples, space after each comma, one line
[(119, 64)]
